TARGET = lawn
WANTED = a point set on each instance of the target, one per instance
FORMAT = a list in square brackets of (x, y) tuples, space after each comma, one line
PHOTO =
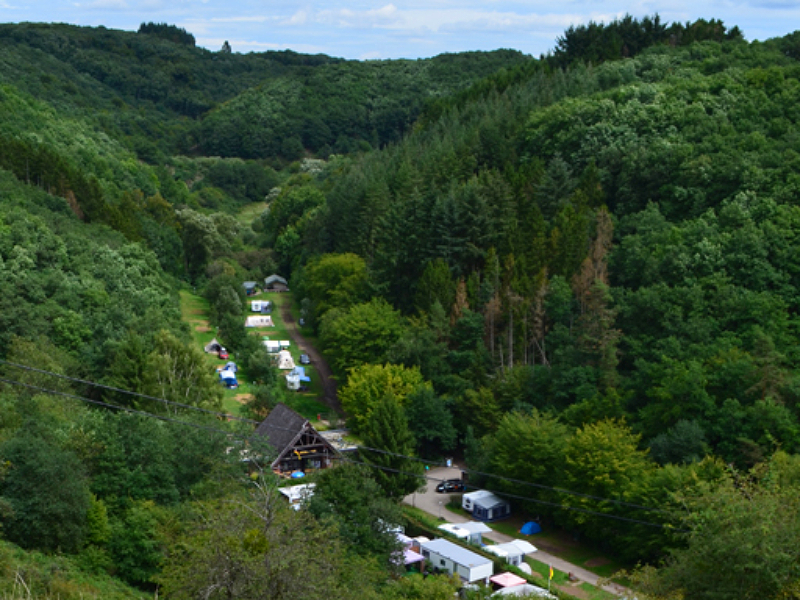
[(306, 403), (194, 311), (553, 541), (250, 211)]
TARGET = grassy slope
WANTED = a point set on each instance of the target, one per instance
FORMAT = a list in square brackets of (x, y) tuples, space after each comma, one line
[(194, 311), (36, 576)]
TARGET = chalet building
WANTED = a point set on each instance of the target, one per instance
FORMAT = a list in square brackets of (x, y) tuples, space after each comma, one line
[(276, 283), (298, 446)]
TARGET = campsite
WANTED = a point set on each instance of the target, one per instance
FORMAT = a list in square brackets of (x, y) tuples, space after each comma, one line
[(195, 310)]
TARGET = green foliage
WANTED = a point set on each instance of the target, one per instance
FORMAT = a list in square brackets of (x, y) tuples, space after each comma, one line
[(431, 422), (360, 334), (528, 447), (386, 430), (46, 490), (135, 546), (334, 281), (352, 500), (604, 461), (256, 547), (369, 383), (746, 526), (165, 31)]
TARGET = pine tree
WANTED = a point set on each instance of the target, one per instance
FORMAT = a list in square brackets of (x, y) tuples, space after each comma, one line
[(387, 431)]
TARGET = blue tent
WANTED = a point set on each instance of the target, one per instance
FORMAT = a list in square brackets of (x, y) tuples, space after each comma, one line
[(228, 378), (530, 528), (230, 366)]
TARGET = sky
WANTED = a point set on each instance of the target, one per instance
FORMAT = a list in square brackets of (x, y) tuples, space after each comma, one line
[(394, 28)]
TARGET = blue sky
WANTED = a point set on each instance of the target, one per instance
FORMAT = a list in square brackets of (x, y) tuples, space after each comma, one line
[(393, 29)]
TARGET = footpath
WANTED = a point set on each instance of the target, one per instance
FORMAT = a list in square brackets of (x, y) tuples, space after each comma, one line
[(436, 505)]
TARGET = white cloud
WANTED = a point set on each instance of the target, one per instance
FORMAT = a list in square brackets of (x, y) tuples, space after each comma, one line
[(104, 5), (298, 18)]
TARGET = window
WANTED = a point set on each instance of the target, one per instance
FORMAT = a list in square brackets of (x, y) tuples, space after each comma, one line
[(441, 561), (426, 554)]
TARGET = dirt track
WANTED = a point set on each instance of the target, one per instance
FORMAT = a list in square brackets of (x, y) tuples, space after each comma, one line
[(329, 395)]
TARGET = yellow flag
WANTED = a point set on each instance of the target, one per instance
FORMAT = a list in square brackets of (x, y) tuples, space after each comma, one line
[(551, 571)]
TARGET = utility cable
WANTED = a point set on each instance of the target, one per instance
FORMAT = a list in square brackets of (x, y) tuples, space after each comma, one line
[(130, 393), (250, 438), (516, 497), (360, 447)]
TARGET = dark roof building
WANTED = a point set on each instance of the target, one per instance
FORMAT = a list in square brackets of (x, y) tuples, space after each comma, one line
[(298, 446), (276, 283)]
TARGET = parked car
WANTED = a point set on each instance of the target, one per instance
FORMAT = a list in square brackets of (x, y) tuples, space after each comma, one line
[(223, 353), (450, 486), (304, 360)]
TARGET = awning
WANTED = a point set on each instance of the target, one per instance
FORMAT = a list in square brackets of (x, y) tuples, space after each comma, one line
[(507, 580), (411, 557)]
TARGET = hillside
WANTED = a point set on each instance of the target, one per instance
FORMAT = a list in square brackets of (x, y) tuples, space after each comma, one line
[(579, 272)]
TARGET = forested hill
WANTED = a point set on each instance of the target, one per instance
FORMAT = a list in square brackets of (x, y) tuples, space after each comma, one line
[(608, 252), (152, 89), (579, 272)]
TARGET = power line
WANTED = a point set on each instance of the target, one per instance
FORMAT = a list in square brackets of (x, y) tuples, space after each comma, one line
[(129, 392), (537, 501), (251, 438), (521, 482), (360, 447)]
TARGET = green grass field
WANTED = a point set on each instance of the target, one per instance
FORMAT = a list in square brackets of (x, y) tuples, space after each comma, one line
[(194, 311)]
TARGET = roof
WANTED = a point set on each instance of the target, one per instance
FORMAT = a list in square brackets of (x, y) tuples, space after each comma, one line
[(525, 589), (249, 284), (281, 426), (275, 279), (462, 530), (485, 498), (507, 579), (454, 552), (512, 548), (296, 493)]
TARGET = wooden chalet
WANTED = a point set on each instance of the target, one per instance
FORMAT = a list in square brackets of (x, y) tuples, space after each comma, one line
[(297, 444)]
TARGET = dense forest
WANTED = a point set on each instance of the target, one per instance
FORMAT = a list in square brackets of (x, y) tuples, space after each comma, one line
[(579, 271)]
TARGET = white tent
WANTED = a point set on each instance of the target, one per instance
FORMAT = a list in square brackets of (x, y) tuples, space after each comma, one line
[(513, 551), (272, 347), (255, 305), (259, 321), (285, 360), (293, 381)]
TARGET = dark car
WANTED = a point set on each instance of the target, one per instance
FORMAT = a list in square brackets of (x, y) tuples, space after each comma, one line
[(449, 486), (304, 360)]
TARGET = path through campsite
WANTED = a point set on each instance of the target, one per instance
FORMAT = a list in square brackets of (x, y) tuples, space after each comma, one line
[(329, 395), (435, 504)]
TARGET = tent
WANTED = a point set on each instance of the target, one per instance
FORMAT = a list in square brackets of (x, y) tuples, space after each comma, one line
[(276, 283), (295, 376), (272, 347), (259, 321), (513, 552), (285, 361), (212, 346), (505, 580), (228, 378), (530, 528), (231, 366)]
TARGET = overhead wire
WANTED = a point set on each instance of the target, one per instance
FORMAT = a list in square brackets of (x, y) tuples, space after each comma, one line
[(360, 447), (527, 498), (129, 392)]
